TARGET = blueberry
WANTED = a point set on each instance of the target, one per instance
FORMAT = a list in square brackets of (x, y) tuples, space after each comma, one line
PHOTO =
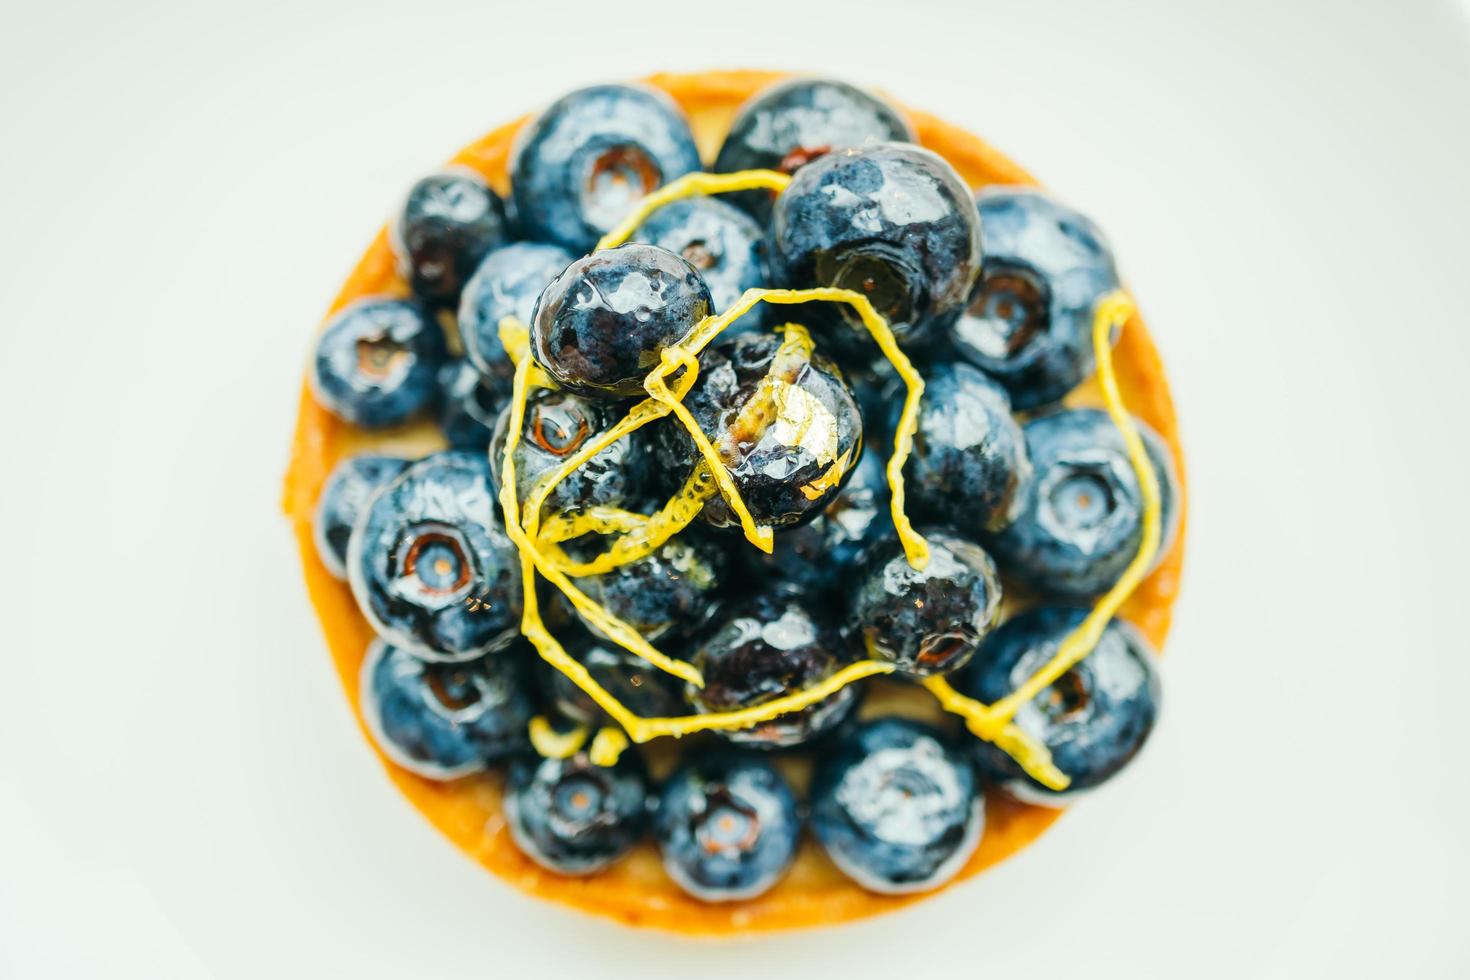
[(468, 407), (896, 808), (888, 220), (727, 826), (1094, 718), (347, 491), (579, 168), (1029, 320), (574, 817), (788, 461), (927, 622), (507, 283), (446, 225), (1081, 516), (600, 326), (376, 361), (969, 460), (443, 721), (556, 425), (770, 646), (719, 240), (793, 123), (820, 558), (430, 567), (646, 691), (671, 592)]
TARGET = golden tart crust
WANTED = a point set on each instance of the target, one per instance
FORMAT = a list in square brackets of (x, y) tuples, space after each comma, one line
[(635, 890)]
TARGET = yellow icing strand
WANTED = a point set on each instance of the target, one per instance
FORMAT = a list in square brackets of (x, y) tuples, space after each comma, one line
[(914, 545), (1112, 312), (692, 185), (552, 744), (607, 746), (1029, 753), (639, 535), (638, 729), (993, 722), (746, 717)]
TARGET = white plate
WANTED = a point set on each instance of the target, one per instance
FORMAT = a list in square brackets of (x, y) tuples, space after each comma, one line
[(183, 186)]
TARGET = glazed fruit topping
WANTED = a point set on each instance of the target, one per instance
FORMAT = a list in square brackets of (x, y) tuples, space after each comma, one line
[(621, 409)]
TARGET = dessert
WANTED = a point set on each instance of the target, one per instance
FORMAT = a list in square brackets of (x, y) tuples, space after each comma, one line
[(675, 604)]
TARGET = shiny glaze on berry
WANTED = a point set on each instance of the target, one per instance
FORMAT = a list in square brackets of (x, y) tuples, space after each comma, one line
[(556, 424), (766, 647), (888, 220), (926, 622), (507, 283), (1094, 719), (896, 807), (969, 461), (787, 467), (583, 164), (447, 224), (442, 721), (600, 326), (1081, 516), (795, 122), (721, 241), (429, 566), (1029, 319)]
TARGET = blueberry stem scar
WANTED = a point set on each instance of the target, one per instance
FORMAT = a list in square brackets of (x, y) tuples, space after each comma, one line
[(552, 744), (993, 722), (691, 185)]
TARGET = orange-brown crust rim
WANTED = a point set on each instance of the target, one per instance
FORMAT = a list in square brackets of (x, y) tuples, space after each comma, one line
[(635, 891)]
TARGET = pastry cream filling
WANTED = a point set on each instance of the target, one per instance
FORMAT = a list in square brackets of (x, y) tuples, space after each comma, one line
[(539, 546)]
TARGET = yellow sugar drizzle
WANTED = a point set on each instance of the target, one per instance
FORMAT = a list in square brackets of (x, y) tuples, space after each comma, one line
[(539, 548), (691, 185), (993, 722), (552, 744)]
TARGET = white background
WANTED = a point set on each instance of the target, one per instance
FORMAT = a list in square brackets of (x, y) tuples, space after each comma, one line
[(183, 185)]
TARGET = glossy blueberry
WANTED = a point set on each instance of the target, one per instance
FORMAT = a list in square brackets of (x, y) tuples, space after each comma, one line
[(769, 646), (447, 224), (579, 168), (821, 558), (1081, 516), (376, 362), (600, 326), (555, 425), (671, 592), (896, 807), (888, 220), (969, 461), (927, 622), (727, 826), (646, 691), (507, 283), (350, 486), (721, 241), (429, 565), (793, 123), (468, 406), (1094, 718), (574, 817), (443, 721), (1029, 319), (788, 459)]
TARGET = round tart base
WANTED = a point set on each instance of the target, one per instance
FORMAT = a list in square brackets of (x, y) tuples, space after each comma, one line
[(635, 890)]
